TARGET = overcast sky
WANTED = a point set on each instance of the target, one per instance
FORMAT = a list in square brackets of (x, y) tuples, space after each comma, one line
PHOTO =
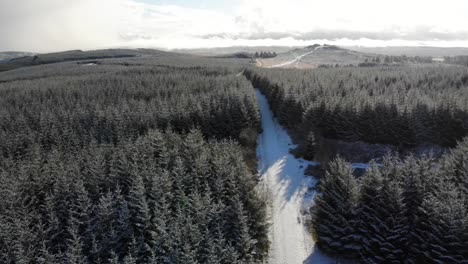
[(53, 25)]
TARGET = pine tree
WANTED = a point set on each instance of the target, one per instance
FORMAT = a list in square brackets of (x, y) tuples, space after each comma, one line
[(114, 259), (310, 146), (93, 170), (44, 255), (159, 149), (458, 165), (119, 170), (179, 177), (334, 214), (122, 222), (132, 252), (52, 228), (413, 195), (230, 255), (394, 222), (161, 191), (139, 217), (442, 228), (382, 220), (187, 254), (370, 222), (244, 241), (209, 255), (79, 211), (129, 259), (103, 224), (74, 253)]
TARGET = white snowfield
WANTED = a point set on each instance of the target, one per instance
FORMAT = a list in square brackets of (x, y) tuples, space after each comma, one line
[(297, 59), (282, 176)]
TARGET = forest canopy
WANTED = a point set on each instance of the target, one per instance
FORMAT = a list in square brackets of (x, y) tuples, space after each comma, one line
[(405, 105), (128, 162), (151, 159), (411, 209)]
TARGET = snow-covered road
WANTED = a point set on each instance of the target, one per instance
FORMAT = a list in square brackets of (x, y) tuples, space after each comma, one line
[(297, 59), (282, 175)]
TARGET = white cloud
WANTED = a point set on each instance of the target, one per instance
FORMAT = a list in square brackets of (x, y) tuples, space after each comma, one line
[(357, 15), (57, 25), (49, 25)]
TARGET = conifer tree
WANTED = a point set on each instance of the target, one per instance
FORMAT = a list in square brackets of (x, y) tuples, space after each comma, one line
[(370, 223), (244, 241), (74, 253), (394, 222), (335, 209), (413, 195), (442, 228), (139, 217), (114, 259), (310, 147)]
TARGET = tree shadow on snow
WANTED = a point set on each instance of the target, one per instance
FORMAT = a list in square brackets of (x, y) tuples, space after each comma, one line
[(318, 257)]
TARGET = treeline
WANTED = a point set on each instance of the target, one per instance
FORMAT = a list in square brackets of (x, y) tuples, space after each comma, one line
[(405, 211), (402, 106), (156, 59), (264, 54), (108, 107), (123, 163), (389, 60), (460, 60), (403, 59)]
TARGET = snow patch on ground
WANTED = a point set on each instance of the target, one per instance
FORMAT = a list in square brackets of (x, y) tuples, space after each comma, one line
[(290, 192), (363, 166)]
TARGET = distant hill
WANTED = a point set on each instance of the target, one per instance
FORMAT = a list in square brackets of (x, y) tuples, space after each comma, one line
[(8, 55), (412, 51), (234, 50), (73, 55), (236, 55), (314, 56), (285, 57)]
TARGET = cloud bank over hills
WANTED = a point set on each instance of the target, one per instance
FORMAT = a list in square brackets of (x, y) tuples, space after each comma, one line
[(51, 25)]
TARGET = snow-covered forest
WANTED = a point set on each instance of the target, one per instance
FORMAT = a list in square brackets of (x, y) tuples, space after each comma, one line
[(173, 158), (121, 163), (404, 105), (233, 132), (406, 208), (405, 211)]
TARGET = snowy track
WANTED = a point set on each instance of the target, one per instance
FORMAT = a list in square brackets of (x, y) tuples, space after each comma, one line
[(283, 177), (297, 59)]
